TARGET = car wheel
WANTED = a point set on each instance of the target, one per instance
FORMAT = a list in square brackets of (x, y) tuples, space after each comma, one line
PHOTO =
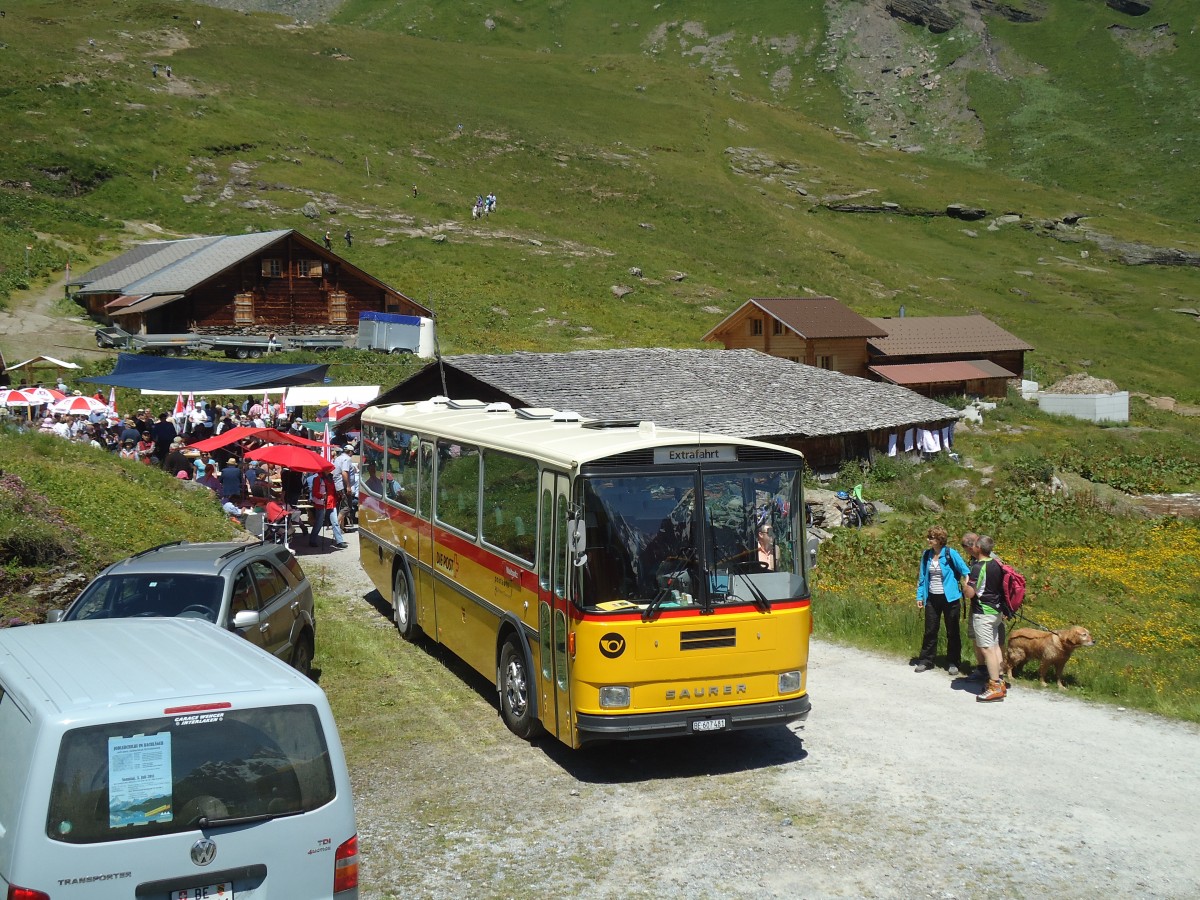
[(516, 705), (403, 610), (302, 655)]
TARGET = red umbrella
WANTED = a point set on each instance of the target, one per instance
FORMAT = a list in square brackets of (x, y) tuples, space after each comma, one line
[(295, 458), (43, 395), (16, 397), (79, 406), (242, 432)]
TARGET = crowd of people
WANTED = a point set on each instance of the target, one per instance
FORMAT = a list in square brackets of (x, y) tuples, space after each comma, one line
[(944, 580), (241, 486)]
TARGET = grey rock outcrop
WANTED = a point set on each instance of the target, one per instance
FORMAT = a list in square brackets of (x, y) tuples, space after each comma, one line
[(927, 13), (1129, 7)]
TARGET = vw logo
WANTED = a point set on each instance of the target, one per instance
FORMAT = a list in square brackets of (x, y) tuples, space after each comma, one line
[(204, 851), (612, 645)]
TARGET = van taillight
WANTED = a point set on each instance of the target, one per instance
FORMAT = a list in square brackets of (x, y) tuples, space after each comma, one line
[(345, 866), (20, 893)]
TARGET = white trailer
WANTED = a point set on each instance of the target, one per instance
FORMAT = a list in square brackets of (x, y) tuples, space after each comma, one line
[(394, 333)]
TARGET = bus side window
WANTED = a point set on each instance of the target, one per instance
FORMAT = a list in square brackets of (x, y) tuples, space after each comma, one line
[(546, 554), (564, 564)]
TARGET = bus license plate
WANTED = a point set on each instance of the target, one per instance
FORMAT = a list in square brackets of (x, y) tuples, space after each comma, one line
[(207, 892), (708, 725)]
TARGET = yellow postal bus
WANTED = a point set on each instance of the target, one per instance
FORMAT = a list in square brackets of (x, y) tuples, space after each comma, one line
[(616, 579)]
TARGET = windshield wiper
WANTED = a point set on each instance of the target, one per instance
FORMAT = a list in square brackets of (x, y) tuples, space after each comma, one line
[(760, 599), (665, 591), (221, 821)]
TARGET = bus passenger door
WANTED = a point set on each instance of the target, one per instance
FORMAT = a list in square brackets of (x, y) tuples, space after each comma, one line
[(423, 570), (553, 575)]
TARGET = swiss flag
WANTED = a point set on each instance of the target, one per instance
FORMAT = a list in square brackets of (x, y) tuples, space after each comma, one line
[(191, 404), (179, 407)]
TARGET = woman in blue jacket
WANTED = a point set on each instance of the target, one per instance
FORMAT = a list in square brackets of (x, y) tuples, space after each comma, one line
[(939, 593)]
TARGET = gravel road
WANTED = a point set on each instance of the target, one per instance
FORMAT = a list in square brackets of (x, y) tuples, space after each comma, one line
[(899, 785)]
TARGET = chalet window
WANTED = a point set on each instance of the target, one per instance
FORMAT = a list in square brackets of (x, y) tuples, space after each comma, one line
[(756, 326), (794, 359), (308, 268), (776, 327), (337, 307), (824, 362), (272, 267), (243, 309)]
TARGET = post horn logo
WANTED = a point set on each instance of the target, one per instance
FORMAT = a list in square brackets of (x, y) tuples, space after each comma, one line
[(612, 645)]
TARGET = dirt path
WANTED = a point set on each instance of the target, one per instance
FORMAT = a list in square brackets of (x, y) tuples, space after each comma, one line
[(31, 328), (900, 785)]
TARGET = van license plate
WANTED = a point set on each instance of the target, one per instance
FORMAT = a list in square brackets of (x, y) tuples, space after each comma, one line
[(208, 892), (708, 725)]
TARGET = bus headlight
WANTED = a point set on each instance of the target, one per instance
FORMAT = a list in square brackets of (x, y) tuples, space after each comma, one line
[(789, 682), (614, 697)]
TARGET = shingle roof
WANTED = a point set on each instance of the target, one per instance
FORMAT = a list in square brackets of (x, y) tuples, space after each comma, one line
[(177, 266), (959, 335), (810, 317), (941, 372), (742, 393)]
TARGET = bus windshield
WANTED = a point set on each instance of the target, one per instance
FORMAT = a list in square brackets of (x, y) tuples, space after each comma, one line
[(649, 544)]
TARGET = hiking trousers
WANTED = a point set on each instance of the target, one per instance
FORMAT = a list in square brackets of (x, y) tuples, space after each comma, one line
[(937, 609)]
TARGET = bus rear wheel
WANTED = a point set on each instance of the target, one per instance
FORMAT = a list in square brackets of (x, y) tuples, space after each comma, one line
[(515, 702), (402, 606)]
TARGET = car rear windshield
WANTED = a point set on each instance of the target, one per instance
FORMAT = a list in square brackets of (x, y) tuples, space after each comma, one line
[(161, 776), (145, 594)]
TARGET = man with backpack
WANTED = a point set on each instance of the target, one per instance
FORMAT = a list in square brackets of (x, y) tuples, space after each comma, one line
[(984, 589)]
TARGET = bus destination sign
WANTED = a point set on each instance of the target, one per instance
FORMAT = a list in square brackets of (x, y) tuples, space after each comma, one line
[(675, 455)]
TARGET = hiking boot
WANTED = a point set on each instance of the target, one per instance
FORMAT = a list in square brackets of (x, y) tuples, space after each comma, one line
[(923, 667), (953, 670), (994, 693), (977, 674)]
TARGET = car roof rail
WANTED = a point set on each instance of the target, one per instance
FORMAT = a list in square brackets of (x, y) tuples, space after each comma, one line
[(159, 547), (236, 550)]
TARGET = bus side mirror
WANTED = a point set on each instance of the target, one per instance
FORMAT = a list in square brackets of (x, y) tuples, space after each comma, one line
[(577, 538)]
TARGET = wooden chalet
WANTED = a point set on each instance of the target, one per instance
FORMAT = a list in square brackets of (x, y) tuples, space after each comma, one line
[(817, 331), (743, 393), (275, 281), (943, 355)]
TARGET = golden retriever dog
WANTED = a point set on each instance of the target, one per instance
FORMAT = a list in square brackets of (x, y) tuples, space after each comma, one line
[(1049, 648)]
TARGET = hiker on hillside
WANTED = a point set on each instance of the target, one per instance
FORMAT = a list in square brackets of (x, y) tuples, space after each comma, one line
[(983, 590), (328, 241), (349, 239), (938, 593)]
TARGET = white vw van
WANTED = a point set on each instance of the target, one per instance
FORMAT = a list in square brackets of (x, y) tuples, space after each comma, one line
[(166, 759)]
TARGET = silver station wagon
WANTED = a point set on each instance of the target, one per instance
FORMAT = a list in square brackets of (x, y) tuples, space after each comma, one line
[(256, 590)]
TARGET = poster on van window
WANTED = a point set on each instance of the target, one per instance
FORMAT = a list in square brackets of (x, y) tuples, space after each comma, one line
[(139, 779)]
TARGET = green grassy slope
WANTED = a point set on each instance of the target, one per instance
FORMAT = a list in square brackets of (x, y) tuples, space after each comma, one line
[(616, 135)]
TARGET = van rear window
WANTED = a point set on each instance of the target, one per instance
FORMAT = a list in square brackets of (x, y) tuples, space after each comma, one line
[(163, 775)]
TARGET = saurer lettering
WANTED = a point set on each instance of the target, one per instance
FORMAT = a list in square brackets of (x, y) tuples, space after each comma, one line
[(702, 690)]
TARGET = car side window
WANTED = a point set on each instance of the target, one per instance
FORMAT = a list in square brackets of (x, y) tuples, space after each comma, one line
[(270, 583), (244, 597)]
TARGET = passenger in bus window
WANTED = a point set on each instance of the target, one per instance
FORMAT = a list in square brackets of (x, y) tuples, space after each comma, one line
[(768, 556), (374, 483)]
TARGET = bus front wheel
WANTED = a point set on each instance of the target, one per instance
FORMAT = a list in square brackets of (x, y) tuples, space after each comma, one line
[(515, 704), (402, 606)]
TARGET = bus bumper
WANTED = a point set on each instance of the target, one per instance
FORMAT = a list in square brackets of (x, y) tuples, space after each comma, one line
[(633, 726)]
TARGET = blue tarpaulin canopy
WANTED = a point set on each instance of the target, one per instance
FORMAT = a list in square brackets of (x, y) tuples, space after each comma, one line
[(202, 376)]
